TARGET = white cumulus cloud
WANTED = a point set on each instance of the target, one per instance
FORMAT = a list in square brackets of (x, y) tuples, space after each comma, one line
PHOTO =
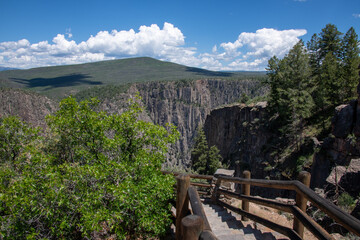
[(258, 47), (249, 52), (165, 43)]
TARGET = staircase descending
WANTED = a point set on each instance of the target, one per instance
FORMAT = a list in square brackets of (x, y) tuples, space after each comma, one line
[(210, 221), (226, 225)]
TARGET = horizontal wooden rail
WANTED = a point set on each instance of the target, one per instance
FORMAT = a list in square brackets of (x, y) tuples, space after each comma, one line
[(277, 184), (196, 176), (201, 185), (203, 192), (197, 207), (261, 201), (302, 192), (313, 227), (346, 220), (310, 224), (279, 228)]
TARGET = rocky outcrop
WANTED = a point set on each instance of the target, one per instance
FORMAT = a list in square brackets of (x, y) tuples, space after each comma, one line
[(182, 103), (186, 104), (239, 132), (343, 121), (28, 106), (345, 179), (338, 150)]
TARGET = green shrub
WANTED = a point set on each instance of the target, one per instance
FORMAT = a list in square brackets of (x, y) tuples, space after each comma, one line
[(346, 201), (93, 173)]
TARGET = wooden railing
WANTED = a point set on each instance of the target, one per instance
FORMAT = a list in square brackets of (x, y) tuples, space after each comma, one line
[(194, 225)]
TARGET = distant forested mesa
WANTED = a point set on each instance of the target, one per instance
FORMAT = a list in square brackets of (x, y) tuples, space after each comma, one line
[(310, 80), (58, 82)]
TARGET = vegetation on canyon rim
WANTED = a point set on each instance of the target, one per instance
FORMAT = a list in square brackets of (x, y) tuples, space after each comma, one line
[(95, 173), (305, 87), (89, 173)]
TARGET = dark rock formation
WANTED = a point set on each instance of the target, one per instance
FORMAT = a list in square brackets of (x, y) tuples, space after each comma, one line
[(238, 131), (186, 104), (342, 122), (342, 146), (345, 179)]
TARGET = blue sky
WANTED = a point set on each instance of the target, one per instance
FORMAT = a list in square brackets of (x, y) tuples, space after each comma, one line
[(216, 35)]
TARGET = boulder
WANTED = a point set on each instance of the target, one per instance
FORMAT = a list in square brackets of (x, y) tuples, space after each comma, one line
[(336, 174), (350, 181), (225, 172), (343, 121), (347, 178), (357, 121)]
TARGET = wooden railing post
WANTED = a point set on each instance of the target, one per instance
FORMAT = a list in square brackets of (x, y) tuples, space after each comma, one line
[(301, 202), (245, 190), (215, 194), (182, 201), (192, 226)]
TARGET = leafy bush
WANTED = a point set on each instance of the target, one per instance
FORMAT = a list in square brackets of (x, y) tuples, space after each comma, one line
[(346, 201), (93, 174)]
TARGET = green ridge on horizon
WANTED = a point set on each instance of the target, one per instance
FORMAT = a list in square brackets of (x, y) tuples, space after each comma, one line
[(60, 81)]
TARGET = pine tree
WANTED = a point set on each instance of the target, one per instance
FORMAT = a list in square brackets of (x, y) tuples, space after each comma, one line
[(277, 82), (351, 61), (299, 92), (198, 156), (313, 50), (205, 160), (214, 160), (290, 88), (330, 41), (330, 80), (325, 58)]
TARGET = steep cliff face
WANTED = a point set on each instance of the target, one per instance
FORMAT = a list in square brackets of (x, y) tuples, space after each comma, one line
[(182, 103), (186, 105), (30, 107), (240, 134)]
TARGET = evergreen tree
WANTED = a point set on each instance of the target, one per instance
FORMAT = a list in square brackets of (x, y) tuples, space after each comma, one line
[(290, 88), (314, 58), (330, 41), (351, 61), (331, 82), (300, 89), (277, 83), (205, 160), (326, 56)]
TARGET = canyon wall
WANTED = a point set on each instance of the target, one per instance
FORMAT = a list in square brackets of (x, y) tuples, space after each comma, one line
[(182, 103), (28, 106), (186, 105), (239, 132)]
